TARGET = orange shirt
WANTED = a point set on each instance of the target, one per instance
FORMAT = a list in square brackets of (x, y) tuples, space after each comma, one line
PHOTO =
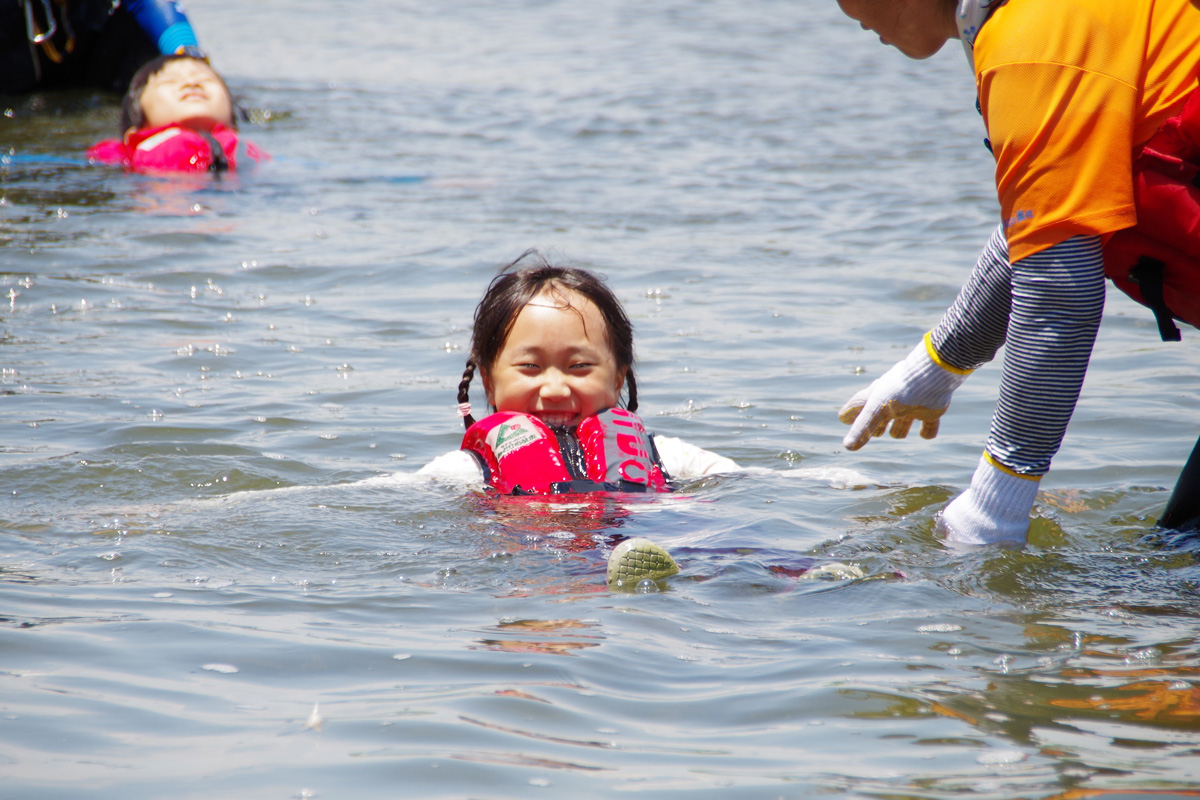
[(1068, 89)]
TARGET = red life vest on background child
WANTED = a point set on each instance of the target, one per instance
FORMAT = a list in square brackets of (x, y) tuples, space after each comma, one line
[(1157, 262), (176, 149), (608, 452)]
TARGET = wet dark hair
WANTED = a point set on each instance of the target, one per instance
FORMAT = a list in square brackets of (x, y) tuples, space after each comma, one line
[(512, 289), (132, 115)]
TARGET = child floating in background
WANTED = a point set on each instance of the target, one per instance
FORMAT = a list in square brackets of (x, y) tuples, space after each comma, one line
[(177, 117), (554, 351)]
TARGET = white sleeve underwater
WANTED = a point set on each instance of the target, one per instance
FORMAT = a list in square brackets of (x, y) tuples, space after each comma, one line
[(683, 461), (457, 466)]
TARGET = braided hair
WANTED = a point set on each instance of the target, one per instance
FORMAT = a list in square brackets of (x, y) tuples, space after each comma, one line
[(512, 289)]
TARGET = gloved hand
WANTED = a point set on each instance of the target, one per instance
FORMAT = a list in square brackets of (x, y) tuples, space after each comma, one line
[(994, 508), (918, 388)]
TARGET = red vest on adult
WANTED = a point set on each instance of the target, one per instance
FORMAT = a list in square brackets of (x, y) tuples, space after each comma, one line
[(1157, 262)]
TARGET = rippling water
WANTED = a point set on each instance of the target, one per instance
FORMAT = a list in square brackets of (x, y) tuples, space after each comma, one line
[(219, 578)]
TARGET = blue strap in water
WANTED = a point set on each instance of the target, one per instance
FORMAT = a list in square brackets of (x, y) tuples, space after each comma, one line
[(21, 158), (13, 159)]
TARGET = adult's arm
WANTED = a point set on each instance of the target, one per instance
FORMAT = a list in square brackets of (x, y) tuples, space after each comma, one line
[(1056, 301), (166, 23)]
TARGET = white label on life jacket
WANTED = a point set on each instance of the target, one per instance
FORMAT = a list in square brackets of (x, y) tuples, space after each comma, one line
[(511, 436)]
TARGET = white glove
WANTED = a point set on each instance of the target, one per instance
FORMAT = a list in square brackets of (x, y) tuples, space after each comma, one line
[(918, 388), (994, 508)]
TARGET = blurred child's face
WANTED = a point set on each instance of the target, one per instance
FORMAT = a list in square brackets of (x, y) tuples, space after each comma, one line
[(183, 90), (556, 363)]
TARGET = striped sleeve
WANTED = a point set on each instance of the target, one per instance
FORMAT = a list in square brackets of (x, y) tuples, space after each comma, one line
[(974, 328), (1058, 298), (1046, 309)]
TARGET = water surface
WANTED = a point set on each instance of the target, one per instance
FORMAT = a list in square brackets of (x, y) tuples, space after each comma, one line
[(220, 578)]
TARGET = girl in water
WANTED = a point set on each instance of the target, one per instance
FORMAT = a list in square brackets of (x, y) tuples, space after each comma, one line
[(177, 117), (554, 351)]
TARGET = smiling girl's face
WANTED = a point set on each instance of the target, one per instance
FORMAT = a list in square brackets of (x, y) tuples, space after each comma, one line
[(557, 363)]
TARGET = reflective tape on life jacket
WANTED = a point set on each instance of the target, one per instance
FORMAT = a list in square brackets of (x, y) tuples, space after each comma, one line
[(608, 452), (1157, 262)]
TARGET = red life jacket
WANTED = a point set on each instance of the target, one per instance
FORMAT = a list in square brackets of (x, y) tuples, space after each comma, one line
[(608, 452), (1157, 262), (174, 149)]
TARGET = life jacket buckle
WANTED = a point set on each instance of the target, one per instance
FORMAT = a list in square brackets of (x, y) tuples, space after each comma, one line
[(1148, 275), (220, 163)]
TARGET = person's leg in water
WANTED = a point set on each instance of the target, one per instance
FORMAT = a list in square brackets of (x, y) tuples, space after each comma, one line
[(1183, 509)]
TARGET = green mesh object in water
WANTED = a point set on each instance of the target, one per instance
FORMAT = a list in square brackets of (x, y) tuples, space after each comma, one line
[(635, 560)]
